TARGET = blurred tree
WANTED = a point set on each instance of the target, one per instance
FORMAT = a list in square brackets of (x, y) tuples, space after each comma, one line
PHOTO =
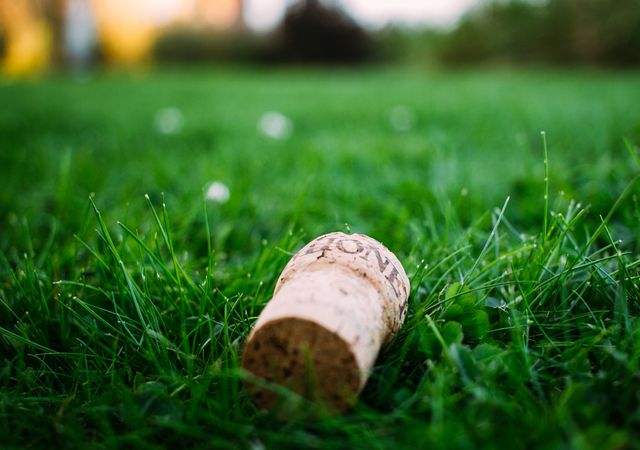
[(556, 39), (181, 44), (3, 42), (410, 45), (28, 37), (126, 30), (604, 32), (468, 44), (34, 34), (315, 32), (53, 12)]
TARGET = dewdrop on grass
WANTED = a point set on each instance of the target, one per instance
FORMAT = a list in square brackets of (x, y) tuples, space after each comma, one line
[(218, 192), (336, 302), (275, 125), (401, 118), (169, 120)]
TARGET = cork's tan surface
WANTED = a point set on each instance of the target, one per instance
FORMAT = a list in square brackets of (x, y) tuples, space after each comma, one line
[(337, 300), (368, 259), (306, 358)]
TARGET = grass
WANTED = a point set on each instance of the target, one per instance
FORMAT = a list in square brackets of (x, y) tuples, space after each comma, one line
[(126, 296)]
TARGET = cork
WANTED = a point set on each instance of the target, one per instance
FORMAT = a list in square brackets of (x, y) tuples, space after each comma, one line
[(337, 301)]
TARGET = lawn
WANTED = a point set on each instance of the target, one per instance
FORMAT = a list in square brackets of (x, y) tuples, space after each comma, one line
[(126, 295)]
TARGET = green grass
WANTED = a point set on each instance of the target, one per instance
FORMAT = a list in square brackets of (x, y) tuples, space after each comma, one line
[(122, 316)]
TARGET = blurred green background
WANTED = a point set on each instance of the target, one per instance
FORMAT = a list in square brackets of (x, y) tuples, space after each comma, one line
[(160, 161)]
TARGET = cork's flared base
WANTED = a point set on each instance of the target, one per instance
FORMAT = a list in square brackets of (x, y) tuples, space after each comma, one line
[(304, 357)]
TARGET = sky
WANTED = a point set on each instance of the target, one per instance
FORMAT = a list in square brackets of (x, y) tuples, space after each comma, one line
[(264, 14)]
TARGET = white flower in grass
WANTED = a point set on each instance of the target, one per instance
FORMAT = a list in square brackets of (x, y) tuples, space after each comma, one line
[(169, 120), (275, 125), (218, 192), (401, 118)]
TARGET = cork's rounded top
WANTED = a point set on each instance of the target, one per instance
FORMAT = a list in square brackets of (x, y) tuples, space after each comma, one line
[(366, 258)]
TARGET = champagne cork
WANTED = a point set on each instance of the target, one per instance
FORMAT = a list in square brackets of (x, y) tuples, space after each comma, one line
[(336, 302)]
